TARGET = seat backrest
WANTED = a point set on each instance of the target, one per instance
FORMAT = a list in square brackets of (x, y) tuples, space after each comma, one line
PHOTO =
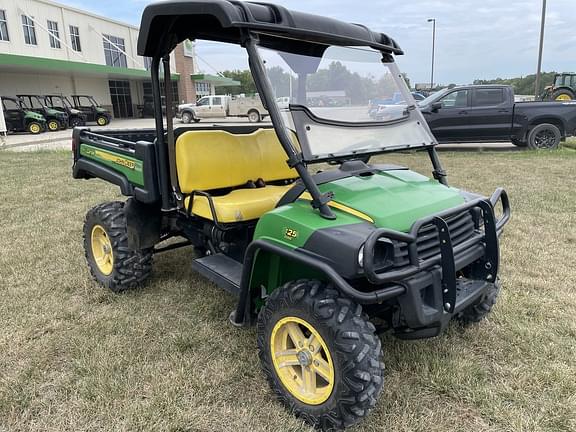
[(207, 160)]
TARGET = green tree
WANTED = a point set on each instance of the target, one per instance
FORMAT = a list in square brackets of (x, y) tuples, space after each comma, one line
[(523, 85), (246, 86)]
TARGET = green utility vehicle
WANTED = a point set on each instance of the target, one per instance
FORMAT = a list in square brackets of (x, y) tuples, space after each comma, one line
[(18, 119), (321, 257), (563, 89), (91, 109), (55, 120)]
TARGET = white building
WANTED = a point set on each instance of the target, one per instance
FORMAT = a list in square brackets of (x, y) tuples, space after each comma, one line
[(49, 48)]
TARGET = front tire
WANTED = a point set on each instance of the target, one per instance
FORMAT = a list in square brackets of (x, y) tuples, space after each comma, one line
[(112, 263), (480, 310), (320, 354), (186, 117), (102, 120), (35, 128), (544, 136), (53, 125)]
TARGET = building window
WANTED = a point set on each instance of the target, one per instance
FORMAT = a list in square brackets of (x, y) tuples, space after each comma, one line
[(114, 51), (203, 88), (54, 34), (75, 38), (29, 30), (3, 26)]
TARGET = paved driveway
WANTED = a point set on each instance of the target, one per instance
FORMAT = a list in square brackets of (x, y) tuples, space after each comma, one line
[(62, 139)]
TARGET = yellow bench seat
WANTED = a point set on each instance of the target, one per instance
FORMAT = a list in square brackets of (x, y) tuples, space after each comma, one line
[(240, 204), (213, 160)]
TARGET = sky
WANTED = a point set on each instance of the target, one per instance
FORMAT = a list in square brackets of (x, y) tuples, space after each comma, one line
[(474, 38)]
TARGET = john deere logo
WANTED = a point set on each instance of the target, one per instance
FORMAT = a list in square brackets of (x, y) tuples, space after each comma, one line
[(290, 233), (125, 162)]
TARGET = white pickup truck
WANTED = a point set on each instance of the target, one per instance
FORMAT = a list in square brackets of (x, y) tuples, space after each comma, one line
[(220, 106)]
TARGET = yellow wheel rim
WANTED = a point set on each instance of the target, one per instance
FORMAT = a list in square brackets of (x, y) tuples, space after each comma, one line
[(101, 121), (34, 128), (102, 250), (302, 360), (563, 97), (53, 125)]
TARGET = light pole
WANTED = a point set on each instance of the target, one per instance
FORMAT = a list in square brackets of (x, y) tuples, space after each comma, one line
[(538, 72), (433, 21)]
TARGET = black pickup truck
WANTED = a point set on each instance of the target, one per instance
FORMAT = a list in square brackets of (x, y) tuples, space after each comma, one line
[(488, 113)]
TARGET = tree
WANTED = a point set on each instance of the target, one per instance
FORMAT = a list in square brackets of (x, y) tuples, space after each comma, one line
[(522, 85), (246, 86)]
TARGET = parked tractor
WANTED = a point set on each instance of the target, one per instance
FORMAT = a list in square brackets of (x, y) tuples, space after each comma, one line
[(563, 89)]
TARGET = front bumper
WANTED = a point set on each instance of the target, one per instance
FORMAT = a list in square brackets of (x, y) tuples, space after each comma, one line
[(434, 288)]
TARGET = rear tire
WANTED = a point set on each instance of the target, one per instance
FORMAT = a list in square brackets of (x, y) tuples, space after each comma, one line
[(477, 312), (332, 378), (112, 263), (544, 136), (563, 95), (254, 116)]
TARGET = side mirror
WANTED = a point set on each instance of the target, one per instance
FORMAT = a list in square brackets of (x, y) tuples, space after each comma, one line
[(436, 106)]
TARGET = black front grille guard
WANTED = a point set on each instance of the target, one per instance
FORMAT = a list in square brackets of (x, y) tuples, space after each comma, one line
[(446, 258)]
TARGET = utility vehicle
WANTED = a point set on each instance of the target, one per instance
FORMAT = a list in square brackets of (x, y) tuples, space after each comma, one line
[(55, 120), (222, 106), (489, 113), (20, 120), (91, 109), (320, 259), (62, 104)]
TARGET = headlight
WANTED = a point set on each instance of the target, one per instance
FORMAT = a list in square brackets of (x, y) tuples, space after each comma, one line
[(361, 257)]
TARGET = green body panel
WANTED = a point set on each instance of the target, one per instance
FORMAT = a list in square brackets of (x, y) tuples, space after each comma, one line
[(392, 199), (53, 112), (34, 116), (292, 224), (129, 166)]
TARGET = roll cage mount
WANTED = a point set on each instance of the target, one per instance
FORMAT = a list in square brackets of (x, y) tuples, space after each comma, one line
[(246, 24)]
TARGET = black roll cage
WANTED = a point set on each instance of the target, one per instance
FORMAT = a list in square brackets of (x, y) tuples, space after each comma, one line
[(168, 184)]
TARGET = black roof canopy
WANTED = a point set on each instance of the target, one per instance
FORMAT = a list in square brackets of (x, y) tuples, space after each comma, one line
[(167, 23)]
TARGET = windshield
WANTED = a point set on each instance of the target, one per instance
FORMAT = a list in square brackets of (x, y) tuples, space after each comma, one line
[(345, 100), (433, 97)]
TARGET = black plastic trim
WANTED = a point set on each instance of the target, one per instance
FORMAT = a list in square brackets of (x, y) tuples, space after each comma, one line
[(84, 168), (242, 309)]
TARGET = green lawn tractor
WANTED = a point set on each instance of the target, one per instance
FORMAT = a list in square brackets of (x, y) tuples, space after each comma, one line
[(563, 89), (322, 249)]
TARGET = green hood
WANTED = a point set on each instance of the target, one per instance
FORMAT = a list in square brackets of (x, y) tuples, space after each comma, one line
[(394, 199), (31, 115)]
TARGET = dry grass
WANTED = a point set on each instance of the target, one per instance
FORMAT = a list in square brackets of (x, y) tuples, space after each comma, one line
[(74, 357)]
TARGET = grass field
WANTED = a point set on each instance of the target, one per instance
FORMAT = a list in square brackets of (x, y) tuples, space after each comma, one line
[(74, 357)]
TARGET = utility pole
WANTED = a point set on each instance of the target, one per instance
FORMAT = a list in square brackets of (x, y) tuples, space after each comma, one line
[(538, 72), (433, 21)]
